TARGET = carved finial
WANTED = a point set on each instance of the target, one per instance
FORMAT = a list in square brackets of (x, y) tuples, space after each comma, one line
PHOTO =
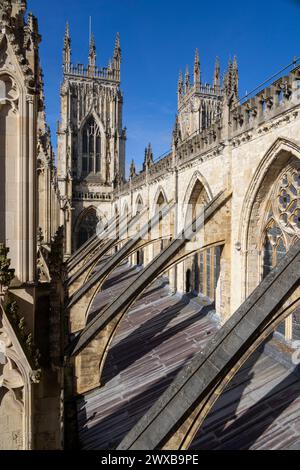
[(67, 33), (176, 132), (187, 79), (118, 45), (92, 53), (6, 273), (217, 73), (67, 48), (180, 84), (148, 161), (235, 78), (231, 81), (132, 169), (197, 73), (117, 57), (235, 67)]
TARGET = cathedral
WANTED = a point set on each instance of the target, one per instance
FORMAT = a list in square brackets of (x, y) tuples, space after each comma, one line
[(155, 310)]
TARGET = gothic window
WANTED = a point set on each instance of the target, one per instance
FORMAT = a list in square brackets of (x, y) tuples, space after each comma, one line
[(201, 273), (87, 227), (188, 286), (282, 230), (139, 205), (91, 148), (206, 272)]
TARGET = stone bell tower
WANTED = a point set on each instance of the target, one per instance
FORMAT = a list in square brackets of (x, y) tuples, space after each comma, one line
[(199, 103), (91, 141)]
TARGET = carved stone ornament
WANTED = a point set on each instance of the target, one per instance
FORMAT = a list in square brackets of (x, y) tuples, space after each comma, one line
[(9, 92)]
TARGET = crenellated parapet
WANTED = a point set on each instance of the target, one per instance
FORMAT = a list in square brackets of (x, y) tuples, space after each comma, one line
[(111, 73), (270, 107), (258, 112)]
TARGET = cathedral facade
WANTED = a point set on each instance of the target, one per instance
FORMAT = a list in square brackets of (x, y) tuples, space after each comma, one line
[(215, 223)]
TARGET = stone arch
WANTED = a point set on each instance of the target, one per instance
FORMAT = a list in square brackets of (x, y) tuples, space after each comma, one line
[(15, 392), (125, 210), (99, 140), (255, 205), (203, 269), (139, 204), (86, 226), (163, 231), (92, 113), (264, 240), (196, 183), (160, 199)]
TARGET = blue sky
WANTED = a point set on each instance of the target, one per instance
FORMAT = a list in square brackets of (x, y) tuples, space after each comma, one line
[(158, 38)]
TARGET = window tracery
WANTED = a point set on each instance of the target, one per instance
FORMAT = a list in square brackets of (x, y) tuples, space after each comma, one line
[(91, 148), (282, 230)]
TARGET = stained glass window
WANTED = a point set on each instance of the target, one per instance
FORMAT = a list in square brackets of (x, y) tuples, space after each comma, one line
[(282, 228)]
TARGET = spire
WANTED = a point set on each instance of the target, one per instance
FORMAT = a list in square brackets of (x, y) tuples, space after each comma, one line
[(92, 53), (67, 48), (117, 57), (217, 73), (235, 77), (180, 84), (187, 79), (148, 161), (231, 80), (117, 51), (197, 74), (67, 33), (176, 132), (132, 169), (235, 67)]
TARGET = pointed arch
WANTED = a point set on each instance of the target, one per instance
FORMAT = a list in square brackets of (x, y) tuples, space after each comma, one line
[(196, 176), (92, 144), (139, 204), (160, 199), (198, 191), (255, 206), (125, 210), (86, 225), (17, 378), (94, 114)]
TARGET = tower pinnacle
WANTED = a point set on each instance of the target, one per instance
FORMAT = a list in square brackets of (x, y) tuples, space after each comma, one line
[(118, 45), (67, 48), (187, 79), (217, 73), (197, 73), (92, 53), (180, 84)]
